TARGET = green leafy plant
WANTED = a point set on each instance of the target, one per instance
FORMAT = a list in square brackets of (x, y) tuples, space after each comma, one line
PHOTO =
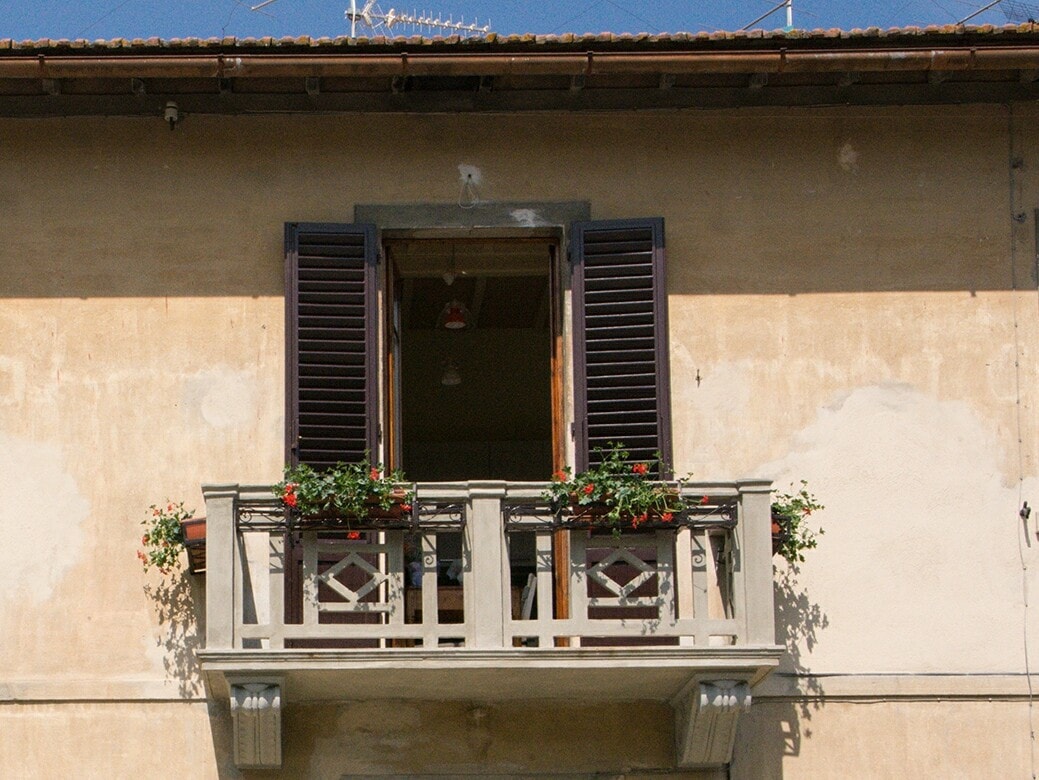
[(163, 537), (626, 491), (790, 530), (345, 490)]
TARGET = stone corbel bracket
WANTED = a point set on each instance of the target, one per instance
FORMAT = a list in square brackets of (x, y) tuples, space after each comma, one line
[(705, 722), (256, 715)]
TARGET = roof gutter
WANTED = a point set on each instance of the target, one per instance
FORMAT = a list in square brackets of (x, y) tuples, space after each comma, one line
[(504, 64)]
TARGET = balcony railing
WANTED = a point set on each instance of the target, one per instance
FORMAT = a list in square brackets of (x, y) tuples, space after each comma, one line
[(485, 565), (484, 594)]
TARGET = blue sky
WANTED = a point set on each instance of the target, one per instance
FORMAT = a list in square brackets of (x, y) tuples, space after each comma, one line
[(204, 18)]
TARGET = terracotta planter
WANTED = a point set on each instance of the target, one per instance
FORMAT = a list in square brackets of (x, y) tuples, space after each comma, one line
[(194, 531), (375, 517), (780, 531), (593, 516)]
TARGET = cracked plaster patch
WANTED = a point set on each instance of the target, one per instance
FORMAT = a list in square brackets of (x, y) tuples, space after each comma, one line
[(222, 397), (920, 524), (41, 518)]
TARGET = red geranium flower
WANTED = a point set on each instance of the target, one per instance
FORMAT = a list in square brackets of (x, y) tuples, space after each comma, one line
[(640, 469), (374, 473), (406, 507), (290, 499), (559, 476), (353, 535), (589, 489), (667, 517), (705, 499)]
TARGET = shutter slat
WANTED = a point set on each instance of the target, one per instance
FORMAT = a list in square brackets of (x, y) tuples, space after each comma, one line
[(621, 357), (330, 326), (622, 384)]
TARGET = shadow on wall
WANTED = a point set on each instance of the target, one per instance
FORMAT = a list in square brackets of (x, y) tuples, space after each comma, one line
[(798, 620), (776, 727), (180, 606), (179, 603)]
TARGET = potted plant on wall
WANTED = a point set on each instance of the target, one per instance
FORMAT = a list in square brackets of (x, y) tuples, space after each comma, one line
[(615, 493), (168, 530), (791, 534), (355, 495)]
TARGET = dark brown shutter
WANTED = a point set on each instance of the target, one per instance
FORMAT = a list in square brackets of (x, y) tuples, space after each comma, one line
[(621, 377), (330, 327)]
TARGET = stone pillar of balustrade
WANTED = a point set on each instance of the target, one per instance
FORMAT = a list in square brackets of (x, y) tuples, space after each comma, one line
[(485, 594), (754, 533), (220, 545)]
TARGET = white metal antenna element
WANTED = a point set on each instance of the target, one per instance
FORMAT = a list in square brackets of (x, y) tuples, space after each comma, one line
[(374, 18), (788, 4)]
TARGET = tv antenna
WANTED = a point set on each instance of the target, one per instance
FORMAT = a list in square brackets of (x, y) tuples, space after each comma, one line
[(789, 5), (371, 16), (1012, 10)]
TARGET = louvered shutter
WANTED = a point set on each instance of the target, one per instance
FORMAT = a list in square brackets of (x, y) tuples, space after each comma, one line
[(331, 361), (621, 376)]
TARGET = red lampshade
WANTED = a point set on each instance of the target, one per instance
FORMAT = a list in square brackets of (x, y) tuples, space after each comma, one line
[(454, 316)]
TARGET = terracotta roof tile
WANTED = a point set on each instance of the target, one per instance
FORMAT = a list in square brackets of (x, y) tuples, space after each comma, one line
[(938, 35)]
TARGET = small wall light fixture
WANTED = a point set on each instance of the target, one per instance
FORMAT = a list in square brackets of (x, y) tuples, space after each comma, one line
[(171, 115)]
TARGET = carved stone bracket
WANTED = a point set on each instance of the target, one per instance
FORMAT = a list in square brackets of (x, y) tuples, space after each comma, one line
[(256, 714), (705, 722)]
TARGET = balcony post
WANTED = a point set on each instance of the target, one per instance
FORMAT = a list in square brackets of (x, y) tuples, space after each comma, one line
[(220, 544), (754, 533), (484, 585)]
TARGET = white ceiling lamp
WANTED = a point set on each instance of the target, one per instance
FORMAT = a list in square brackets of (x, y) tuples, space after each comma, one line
[(451, 377)]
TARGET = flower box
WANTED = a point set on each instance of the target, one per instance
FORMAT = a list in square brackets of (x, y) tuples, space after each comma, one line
[(194, 534), (615, 493), (353, 496), (376, 517), (595, 516)]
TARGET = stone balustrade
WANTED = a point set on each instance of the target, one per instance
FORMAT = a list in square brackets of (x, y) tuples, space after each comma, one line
[(483, 593)]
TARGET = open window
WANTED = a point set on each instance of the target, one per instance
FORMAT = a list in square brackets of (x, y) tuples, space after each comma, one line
[(472, 366), (482, 400), (474, 357)]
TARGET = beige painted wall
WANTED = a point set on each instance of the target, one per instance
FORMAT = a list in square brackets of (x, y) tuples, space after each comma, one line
[(884, 739), (842, 282)]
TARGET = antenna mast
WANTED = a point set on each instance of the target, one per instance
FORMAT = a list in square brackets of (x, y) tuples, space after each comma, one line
[(788, 4), (373, 17)]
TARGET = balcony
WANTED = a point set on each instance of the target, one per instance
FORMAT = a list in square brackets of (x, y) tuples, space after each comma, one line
[(483, 594)]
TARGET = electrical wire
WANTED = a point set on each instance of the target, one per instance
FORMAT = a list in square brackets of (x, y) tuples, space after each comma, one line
[(102, 18), (468, 195), (1014, 186), (592, 6), (633, 15), (234, 7)]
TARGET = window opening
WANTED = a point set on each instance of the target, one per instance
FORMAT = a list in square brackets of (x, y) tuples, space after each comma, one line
[(473, 346)]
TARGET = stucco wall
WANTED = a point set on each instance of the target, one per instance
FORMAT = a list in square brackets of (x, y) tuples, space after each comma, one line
[(851, 303)]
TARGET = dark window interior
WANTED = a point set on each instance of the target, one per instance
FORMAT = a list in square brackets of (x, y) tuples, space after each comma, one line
[(495, 421)]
